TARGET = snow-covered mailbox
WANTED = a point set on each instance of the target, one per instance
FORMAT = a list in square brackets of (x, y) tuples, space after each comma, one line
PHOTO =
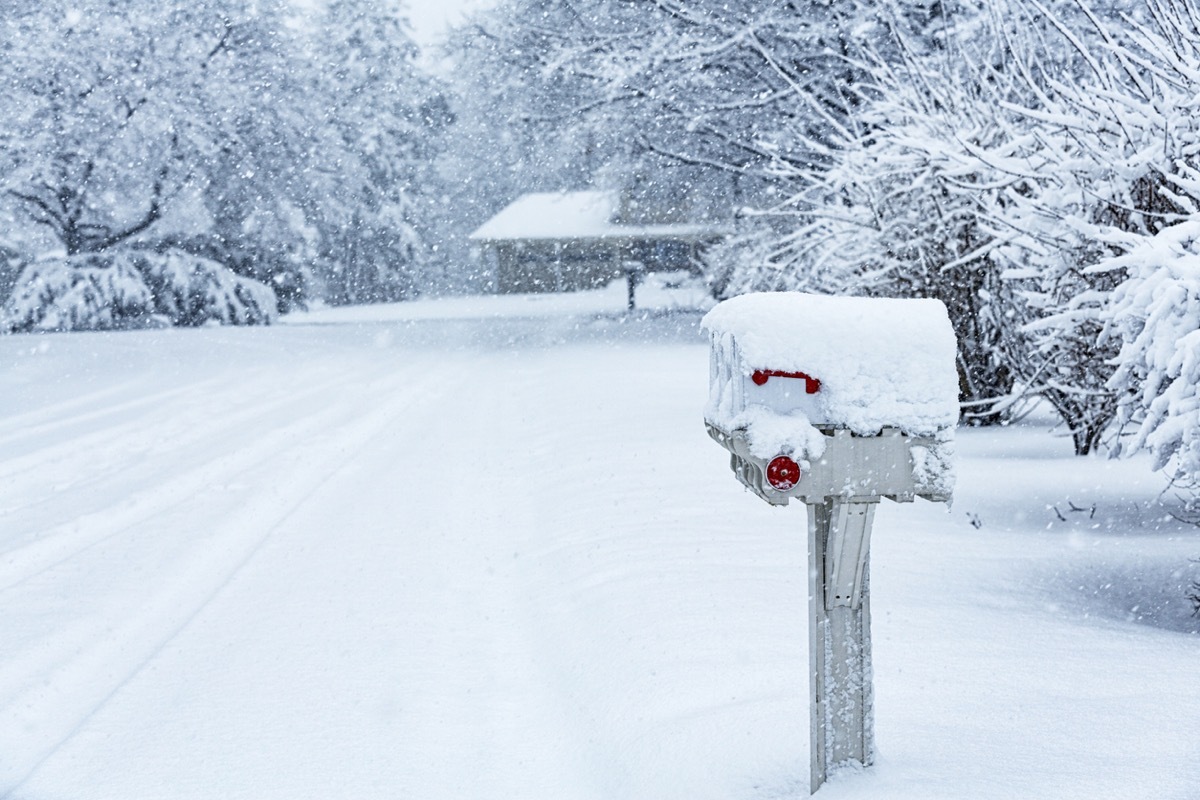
[(837, 402)]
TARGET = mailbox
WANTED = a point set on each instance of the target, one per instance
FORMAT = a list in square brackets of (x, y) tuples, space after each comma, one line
[(837, 402), (818, 397)]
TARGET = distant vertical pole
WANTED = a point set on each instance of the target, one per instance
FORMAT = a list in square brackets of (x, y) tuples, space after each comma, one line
[(633, 277), (495, 260), (841, 717), (558, 274)]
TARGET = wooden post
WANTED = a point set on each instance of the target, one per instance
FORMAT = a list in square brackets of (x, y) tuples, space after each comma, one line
[(841, 715)]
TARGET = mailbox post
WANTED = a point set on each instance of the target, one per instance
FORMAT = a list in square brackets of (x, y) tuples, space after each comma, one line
[(836, 402)]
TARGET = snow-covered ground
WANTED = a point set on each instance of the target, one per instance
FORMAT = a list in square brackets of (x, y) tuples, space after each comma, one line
[(483, 548)]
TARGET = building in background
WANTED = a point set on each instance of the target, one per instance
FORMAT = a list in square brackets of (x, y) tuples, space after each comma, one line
[(567, 241)]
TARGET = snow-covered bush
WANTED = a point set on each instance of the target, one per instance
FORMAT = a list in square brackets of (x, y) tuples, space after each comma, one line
[(189, 290), (58, 295), (132, 288), (1155, 314), (12, 264)]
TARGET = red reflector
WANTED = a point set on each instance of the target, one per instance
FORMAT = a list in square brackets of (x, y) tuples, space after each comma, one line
[(783, 473)]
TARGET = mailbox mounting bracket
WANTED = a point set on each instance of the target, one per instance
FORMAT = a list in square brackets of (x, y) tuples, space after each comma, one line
[(847, 546)]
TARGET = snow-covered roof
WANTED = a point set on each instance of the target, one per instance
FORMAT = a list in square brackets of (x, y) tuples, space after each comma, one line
[(573, 215), (880, 362), (552, 215)]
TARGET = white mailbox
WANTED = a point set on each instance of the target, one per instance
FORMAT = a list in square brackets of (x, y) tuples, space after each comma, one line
[(847, 397), (838, 402)]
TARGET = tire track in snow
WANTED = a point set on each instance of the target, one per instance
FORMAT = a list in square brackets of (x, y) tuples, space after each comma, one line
[(64, 541), (204, 442), (54, 704), (62, 417), (75, 539), (95, 456)]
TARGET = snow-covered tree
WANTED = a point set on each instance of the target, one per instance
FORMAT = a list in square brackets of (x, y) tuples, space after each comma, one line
[(91, 148), (286, 150), (939, 186), (389, 118), (1130, 143), (1108, 170), (261, 152), (106, 136), (900, 209)]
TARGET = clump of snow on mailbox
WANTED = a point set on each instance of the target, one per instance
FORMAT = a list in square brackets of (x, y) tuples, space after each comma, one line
[(867, 364)]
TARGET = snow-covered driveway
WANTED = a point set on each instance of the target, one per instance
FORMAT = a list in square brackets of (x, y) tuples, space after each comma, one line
[(463, 557)]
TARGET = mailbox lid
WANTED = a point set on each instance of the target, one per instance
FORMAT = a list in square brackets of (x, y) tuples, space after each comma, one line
[(880, 362)]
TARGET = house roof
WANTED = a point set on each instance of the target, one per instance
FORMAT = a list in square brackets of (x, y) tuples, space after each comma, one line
[(573, 215)]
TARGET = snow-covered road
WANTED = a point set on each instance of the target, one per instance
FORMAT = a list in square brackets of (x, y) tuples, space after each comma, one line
[(474, 557)]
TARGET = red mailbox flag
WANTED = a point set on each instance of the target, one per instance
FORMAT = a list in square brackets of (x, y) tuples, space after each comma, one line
[(811, 384)]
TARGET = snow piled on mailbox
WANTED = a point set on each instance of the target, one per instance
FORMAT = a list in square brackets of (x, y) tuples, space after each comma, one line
[(880, 363)]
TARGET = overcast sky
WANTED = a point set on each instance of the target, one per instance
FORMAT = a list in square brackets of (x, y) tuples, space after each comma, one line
[(430, 18)]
